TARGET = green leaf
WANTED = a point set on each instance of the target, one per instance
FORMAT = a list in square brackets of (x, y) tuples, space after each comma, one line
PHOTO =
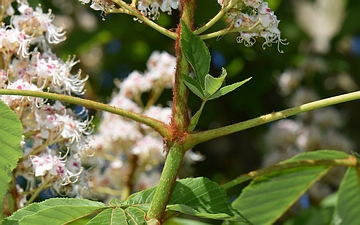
[(190, 211), (228, 88), (318, 155), (202, 195), (194, 86), (195, 118), (212, 84), (131, 211), (183, 221), (316, 215), (55, 211), (10, 148), (347, 209), (312, 216), (269, 196), (196, 53), (194, 196), (135, 215), (112, 216), (357, 156)]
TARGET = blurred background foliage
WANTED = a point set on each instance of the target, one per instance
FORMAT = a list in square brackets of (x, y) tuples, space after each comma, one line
[(111, 46)]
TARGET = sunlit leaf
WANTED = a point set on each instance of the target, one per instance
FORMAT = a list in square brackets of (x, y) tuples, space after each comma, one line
[(135, 216), (228, 88), (111, 216), (212, 84), (55, 211), (347, 209), (10, 148), (194, 196), (269, 196)]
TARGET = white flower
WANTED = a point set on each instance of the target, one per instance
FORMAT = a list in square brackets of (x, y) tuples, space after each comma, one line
[(134, 85), (327, 118), (52, 72), (161, 69), (289, 80), (36, 23), (149, 150), (73, 129), (302, 96), (159, 113), (282, 133), (121, 131), (99, 5), (47, 163), (309, 139), (122, 102), (151, 8), (264, 8), (321, 20), (262, 23), (19, 85), (14, 41), (253, 3)]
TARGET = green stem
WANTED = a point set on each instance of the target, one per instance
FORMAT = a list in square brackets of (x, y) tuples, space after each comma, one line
[(349, 162), (200, 137), (230, 29), (133, 11), (180, 118), (178, 126), (155, 124), (51, 140), (167, 181), (38, 190), (216, 18), (4, 6)]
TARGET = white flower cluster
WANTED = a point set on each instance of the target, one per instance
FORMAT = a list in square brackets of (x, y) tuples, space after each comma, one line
[(127, 151), (150, 8), (100, 5), (260, 22), (54, 136), (321, 20), (316, 130)]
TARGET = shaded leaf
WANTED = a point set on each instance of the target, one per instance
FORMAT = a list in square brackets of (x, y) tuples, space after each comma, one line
[(195, 118), (312, 216), (227, 89), (196, 53), (190, 211), (347, 209), (10, 148), (316, 215), (182, 221), (194, 86)]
